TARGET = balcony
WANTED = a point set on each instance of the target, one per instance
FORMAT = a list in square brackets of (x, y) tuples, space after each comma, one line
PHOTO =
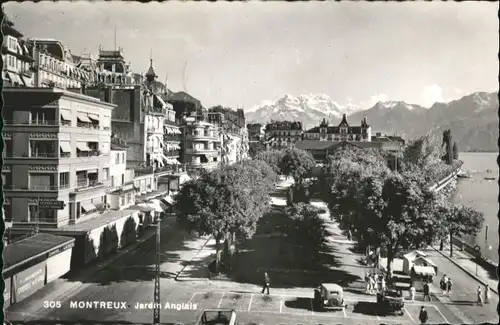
[(85, 184), (150, 170), (87, 125), (32, 122), (26, 72), (36, 188), (202, 136), (92, 153), (154, 130), (201, 150)]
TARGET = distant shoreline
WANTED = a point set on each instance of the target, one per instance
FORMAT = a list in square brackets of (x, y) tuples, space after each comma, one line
[(479, 151)]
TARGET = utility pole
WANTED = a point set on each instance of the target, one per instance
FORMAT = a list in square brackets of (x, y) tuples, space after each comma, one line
[(157, 307)]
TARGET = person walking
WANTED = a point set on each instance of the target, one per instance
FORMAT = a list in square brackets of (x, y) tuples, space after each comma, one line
[(449, 284), (383, 286), (423, 317), (412, 293), (367, 283), (479, 296), (442, 284), (487, 294), (267, 283), (427, 291)]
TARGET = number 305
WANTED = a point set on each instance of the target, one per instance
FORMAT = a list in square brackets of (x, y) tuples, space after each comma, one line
[(51, 304)]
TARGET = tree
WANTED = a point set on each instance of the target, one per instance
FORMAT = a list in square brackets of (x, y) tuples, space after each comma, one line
[(447, 143), (297, 163), (273, 158), (226, 201), (455, 151), (385, 210), (458, 220), (423, 151), (306, 229)]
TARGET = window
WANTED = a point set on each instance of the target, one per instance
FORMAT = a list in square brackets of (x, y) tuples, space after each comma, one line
[(64, 180), (112, 181), (123, 158), (123, 179), (43, 149), (122, 200), (41, 182), (129, 198), (117, 158), (42, 215)]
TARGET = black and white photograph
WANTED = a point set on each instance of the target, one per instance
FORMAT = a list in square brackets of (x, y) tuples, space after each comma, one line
[(254, 162)]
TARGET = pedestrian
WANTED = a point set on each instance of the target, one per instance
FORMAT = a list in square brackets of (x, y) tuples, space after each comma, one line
[(367, 283), (373, 283), (487, 294), (267, 282), (423, 315), (479, 296), (427, 291), (443, 283), (382, 284), (412, 293), (449, 284)]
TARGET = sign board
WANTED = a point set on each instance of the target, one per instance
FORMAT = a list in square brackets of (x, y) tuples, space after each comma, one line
[(6, 292), (27, 282), (51, 204)]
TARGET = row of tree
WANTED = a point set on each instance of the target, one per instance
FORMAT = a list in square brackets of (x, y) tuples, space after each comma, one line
[(392, 208), (227, 201)]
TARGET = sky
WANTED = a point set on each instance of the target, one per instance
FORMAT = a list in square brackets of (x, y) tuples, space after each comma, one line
[(241, 54)]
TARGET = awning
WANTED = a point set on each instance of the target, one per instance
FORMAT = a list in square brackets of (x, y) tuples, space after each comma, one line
[(65, 115), (143, 207), (83, 117), (19, 49), (23, 82), (424, 270), (82, 147), (86, 207), (94, 117), (65, 146), (168, 199), (158, 205), (92, 171)]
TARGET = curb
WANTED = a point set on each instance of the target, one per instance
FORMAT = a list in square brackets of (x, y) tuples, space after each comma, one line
[(176, 278), (495, 290)]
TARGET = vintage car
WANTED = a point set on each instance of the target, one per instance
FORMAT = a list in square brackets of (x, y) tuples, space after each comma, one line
[(390, 301), (329, 296), (217, 317)]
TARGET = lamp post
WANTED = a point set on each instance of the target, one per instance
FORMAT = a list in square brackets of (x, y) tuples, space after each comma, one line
[(156, 310)]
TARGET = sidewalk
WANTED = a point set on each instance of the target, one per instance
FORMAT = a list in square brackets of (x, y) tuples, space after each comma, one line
[(58, 289), (465, 262)]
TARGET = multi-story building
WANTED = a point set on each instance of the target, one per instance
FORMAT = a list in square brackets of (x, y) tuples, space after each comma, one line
[(380, 137), (55, 67), (17, 60), (280, 134), (121, 192), (57, 147), (172, 136), (256, 132), (342, 132), (201, 145)]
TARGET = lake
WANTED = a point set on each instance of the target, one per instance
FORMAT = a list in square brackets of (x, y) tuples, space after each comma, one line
[(482, 195)]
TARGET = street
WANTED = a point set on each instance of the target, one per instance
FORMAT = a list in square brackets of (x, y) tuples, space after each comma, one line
[(130, 280)]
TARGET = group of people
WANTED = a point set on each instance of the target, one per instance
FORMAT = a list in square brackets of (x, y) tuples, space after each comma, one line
[(480, 300), (375, 283), (445, 284)]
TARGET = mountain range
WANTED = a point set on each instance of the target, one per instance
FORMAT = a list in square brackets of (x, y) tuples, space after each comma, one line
[(473, 119)]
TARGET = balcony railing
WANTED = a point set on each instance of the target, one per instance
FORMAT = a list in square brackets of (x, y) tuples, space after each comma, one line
[(32, 122), (87, 125), (93, 153), (35, 187), (149, 170), (45, 155), (85, 183)]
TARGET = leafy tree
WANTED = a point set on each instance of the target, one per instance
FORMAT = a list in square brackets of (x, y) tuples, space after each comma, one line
[(384, 210), (297, 163), (226, 201), (458, 220), (455, 151), (422, 151), (273, 158)]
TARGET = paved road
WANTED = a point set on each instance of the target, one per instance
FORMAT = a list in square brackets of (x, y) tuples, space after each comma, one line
[(463, 297), (129, 281)]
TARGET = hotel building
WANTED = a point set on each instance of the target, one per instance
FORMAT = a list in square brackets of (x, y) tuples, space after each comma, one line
[(201, 145), (57, 148), (281, 134), (341, 132), (16, 57)]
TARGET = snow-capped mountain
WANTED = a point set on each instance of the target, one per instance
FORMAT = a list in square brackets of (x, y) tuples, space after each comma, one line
[(473, 119), (309, 109)]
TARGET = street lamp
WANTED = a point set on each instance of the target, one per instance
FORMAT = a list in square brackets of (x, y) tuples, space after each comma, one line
[(156, 298)]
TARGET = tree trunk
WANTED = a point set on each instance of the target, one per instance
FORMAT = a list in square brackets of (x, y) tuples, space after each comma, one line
[(451, 245), (390, 258), (441, 245), (217, 253)]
